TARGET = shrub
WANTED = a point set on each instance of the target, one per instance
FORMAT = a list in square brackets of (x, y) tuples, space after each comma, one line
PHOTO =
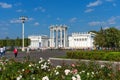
[(94, 55)]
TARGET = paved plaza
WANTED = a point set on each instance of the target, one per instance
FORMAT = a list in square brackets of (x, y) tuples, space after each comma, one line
[(35, 55), (53, 55)]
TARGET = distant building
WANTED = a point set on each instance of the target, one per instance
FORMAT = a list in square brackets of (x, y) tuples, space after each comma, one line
[(59, 39), (81, 40), (39, 41)]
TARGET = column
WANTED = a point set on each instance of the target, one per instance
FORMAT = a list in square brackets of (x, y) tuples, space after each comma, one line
[(61, 38), (56, 38), (23, 37), (53, 44), (64, 37), (50, 37)]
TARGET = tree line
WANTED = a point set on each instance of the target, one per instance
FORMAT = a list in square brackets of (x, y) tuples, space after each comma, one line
[(107, 38), (14, 42)]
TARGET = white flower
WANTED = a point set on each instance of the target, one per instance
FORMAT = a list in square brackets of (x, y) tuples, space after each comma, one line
[(96, 72), (30, 65), (80, 72), (102, 66), (55, 70), (18, 78), (41, 58), (33, 78), (40, 61), (73, 78), (58, 66), (44, 66), (92, 73), (45, 63), (48, 69), (83, 71), (78, 77), (45, 78), (38, 67), (57, 73), (23, 70), (67, 71), (48, 60), (88, 73), (0, 68)]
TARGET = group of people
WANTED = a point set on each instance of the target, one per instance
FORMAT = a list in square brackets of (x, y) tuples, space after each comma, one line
[(15, 51), (2, 51)]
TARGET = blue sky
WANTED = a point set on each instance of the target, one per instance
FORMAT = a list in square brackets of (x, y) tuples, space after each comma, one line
[(78, 15)]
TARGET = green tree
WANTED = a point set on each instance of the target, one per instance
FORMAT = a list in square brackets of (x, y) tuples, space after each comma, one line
[(100, 38), (18, 42), (27, 42), (108, 38), (112, 37)]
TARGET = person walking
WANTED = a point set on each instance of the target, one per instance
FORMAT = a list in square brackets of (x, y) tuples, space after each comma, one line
[(15, 51), (28, 53), (28, 50), (1, 51), (4, 50)]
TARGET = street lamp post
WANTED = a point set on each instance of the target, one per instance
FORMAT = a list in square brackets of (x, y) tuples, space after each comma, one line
[(23, 18)]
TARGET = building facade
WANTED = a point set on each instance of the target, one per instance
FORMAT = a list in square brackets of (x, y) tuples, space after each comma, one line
[(81, 40), (58, 36), (59, 39), (39, 41)]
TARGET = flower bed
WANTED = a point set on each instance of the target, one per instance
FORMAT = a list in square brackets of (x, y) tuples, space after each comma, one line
[(43, 70)]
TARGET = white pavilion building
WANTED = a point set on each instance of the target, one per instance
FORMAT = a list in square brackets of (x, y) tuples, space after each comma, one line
[(81, 40), (38, 41)]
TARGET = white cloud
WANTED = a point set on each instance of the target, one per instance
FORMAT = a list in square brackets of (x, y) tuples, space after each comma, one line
[(93, 4), (5, 5), (112, 20), (15, 21), (36, 23), (3, 23), (58, 19), (72, 20), (17, 4), (106, 27), (40, 8), (30, 19), (20, 10), (89, 10), (95, 23), (114, 4)]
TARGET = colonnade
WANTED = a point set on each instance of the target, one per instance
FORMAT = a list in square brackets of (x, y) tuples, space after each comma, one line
[(58, 36)]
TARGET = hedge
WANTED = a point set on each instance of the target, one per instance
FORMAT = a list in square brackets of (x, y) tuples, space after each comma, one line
[(94, 55)]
